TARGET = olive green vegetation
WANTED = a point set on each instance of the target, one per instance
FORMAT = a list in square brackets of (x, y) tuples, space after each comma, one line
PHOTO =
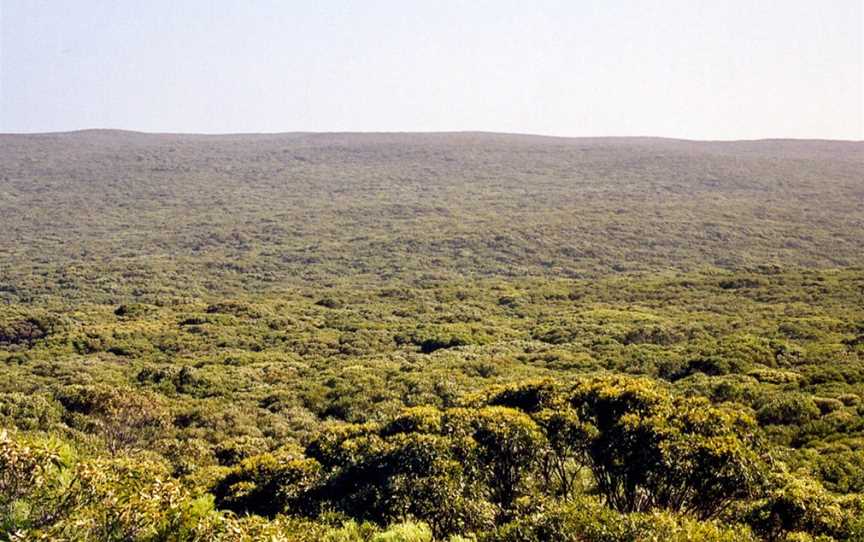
[(453, 337)]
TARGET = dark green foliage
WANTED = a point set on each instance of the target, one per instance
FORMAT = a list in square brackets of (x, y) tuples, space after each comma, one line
[(788, 409), (509, 444), (267, 485), (386, 476)]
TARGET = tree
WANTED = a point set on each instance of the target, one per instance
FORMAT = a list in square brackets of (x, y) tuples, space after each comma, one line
[(509, 445)]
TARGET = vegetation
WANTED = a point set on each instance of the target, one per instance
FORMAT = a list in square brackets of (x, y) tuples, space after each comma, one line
[(439, 337)]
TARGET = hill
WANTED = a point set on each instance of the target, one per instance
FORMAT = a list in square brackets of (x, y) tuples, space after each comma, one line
[(248, 212)]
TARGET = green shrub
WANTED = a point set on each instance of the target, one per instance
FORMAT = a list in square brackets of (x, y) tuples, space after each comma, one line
[(649, 450), (797, 504), (788, 409), (404, 532), (268, 485), (586, 520), (29, 412)]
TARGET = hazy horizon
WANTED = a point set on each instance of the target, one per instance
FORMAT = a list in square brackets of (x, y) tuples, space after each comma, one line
[(694, 70), (419, 132)]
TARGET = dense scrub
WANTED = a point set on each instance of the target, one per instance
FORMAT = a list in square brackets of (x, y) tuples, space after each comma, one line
[(105, 215), (442, 337), (668, 404)]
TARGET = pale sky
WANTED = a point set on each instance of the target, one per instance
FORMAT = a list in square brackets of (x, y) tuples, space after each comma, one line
[(699, 69)]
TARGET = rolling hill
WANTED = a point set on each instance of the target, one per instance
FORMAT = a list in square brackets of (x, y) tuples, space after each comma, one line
[(110, 212)]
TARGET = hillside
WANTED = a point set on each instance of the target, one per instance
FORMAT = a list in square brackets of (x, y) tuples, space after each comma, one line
[(110, 214), (416, 337)]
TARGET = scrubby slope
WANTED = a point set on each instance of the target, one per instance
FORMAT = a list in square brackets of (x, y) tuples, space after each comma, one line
[(253, 211)]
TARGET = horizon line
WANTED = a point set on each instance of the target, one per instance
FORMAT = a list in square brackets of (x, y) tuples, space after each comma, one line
[(424, 132)]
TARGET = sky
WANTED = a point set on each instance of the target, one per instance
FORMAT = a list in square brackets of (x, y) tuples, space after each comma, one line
[(696, 69)]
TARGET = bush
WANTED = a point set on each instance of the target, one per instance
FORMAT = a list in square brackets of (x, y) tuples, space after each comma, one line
[(788, 409), (268, 485), (711, 366), (231, 451), (586, 520), (405, 532), (29, 412), (27, 331), (424, 476), (652, 451), (125, 418), (797, 504)]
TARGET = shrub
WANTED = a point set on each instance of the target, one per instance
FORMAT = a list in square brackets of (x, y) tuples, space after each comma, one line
[(797, 504), (827, 405), (234, 450), (406, 475), (29, 412), (126, 418), (586, 520), (788, 409), (268, 485), (405, 532), (652, 451), (27, 331)]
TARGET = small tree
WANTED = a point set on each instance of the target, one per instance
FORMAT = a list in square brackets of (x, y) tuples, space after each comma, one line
[(510, 443), (648, 450)]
